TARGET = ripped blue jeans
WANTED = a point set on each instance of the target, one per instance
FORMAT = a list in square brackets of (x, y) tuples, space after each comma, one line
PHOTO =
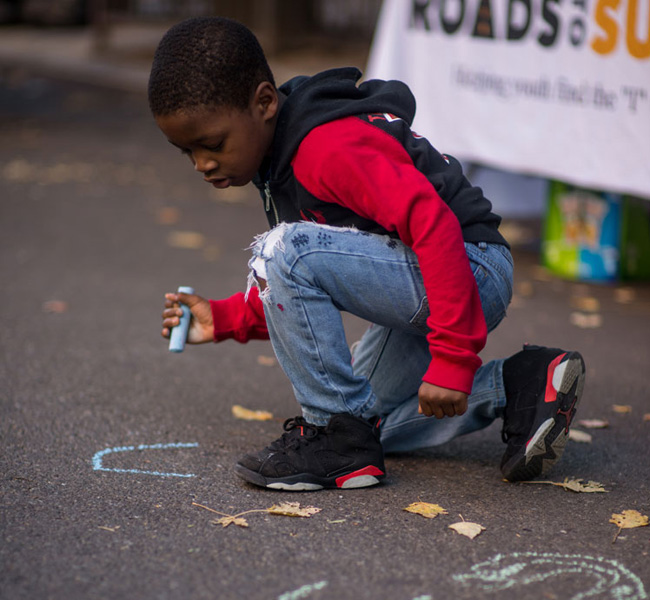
[(314, 272)]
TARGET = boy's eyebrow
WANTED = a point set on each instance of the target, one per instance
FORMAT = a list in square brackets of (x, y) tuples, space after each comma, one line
[(198, 140)]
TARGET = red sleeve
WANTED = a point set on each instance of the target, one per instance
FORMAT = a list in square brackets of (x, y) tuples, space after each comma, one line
[(239, 318), (354, 164)]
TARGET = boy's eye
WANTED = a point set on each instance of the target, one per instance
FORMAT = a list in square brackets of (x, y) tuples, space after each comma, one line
[(216, 148)]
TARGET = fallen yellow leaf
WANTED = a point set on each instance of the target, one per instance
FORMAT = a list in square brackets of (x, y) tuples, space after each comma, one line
[(576, 485), (470, 530), (19, 170), (622, 409), (168, 215), (287, 509), (573, 485), (55, 306), (586, 321), (266, 361), (239, 412), (585, 303), (430, 511), (225, 521), (628, 519), (594, 423), (293, 509), (624, 295), (190, 240), (579, 436), (646, 417)]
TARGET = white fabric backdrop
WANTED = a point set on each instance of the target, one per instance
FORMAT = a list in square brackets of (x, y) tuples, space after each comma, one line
[(566, 97)]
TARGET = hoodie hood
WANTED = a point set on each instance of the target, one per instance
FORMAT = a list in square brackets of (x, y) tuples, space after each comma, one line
[(328, 96)]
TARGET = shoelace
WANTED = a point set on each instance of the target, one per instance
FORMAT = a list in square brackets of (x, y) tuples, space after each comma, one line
[(291, 439), (308, 429)]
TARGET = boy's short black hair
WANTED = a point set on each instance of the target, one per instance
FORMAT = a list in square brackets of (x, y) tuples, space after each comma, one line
[(206, 61)]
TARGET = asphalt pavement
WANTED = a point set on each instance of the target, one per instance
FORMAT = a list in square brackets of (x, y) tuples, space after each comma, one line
[(114, 449)]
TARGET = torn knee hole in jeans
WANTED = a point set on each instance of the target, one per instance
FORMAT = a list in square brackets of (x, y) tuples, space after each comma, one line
[(263, 247)]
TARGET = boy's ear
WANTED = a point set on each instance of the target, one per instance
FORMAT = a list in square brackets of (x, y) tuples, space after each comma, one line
[(266, 100)]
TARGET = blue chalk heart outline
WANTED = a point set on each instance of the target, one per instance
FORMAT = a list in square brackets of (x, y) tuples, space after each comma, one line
[(99, 457)]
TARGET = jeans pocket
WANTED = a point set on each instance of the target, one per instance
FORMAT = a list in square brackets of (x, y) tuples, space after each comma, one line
[(419, 319)]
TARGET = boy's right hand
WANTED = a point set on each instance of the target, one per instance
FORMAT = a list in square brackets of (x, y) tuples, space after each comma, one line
[(201, 324)]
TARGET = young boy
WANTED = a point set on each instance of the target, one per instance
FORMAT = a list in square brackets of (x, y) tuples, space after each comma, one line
[(366, 217)]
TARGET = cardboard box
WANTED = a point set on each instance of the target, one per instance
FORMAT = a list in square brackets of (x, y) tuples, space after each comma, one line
[(596, 236)]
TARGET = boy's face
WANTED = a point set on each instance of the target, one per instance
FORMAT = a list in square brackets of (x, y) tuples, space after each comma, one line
[(226, 144)]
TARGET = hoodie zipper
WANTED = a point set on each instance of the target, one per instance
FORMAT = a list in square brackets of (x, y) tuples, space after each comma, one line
[(269, 202)]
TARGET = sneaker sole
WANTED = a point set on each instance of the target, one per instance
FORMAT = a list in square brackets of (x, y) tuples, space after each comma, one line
[(364, 477), (546, 445)]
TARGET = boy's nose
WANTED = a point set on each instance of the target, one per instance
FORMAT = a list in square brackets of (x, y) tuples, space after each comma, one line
[(203, 164)]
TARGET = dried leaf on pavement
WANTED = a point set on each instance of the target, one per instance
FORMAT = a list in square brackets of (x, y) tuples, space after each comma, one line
[(622, 409), (190, 240), (594, 423), (430, 511), (624, 295), (19, 170), (287, 509), (586, 320), (239, 412), (574, 485), (266, 361), (236, 520), (628, 519), (585, 303), (168, 215), (579, 436), (55, 306), (470, 530), (293, 509)]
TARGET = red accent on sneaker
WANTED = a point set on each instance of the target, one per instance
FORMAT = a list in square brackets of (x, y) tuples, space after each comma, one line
[(369, 470), (302, 431), (551, 393), (568, 414)]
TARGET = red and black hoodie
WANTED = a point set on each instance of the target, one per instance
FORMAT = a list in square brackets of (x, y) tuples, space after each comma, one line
[(344, 155)]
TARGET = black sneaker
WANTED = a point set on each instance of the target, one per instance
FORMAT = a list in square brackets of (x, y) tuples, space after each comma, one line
[(345, 453), (543, 387)]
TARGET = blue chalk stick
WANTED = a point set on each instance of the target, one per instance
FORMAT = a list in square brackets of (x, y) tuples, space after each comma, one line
[(179, 333)]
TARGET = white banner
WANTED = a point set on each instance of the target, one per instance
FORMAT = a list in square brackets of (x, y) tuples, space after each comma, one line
[(554, 88)]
